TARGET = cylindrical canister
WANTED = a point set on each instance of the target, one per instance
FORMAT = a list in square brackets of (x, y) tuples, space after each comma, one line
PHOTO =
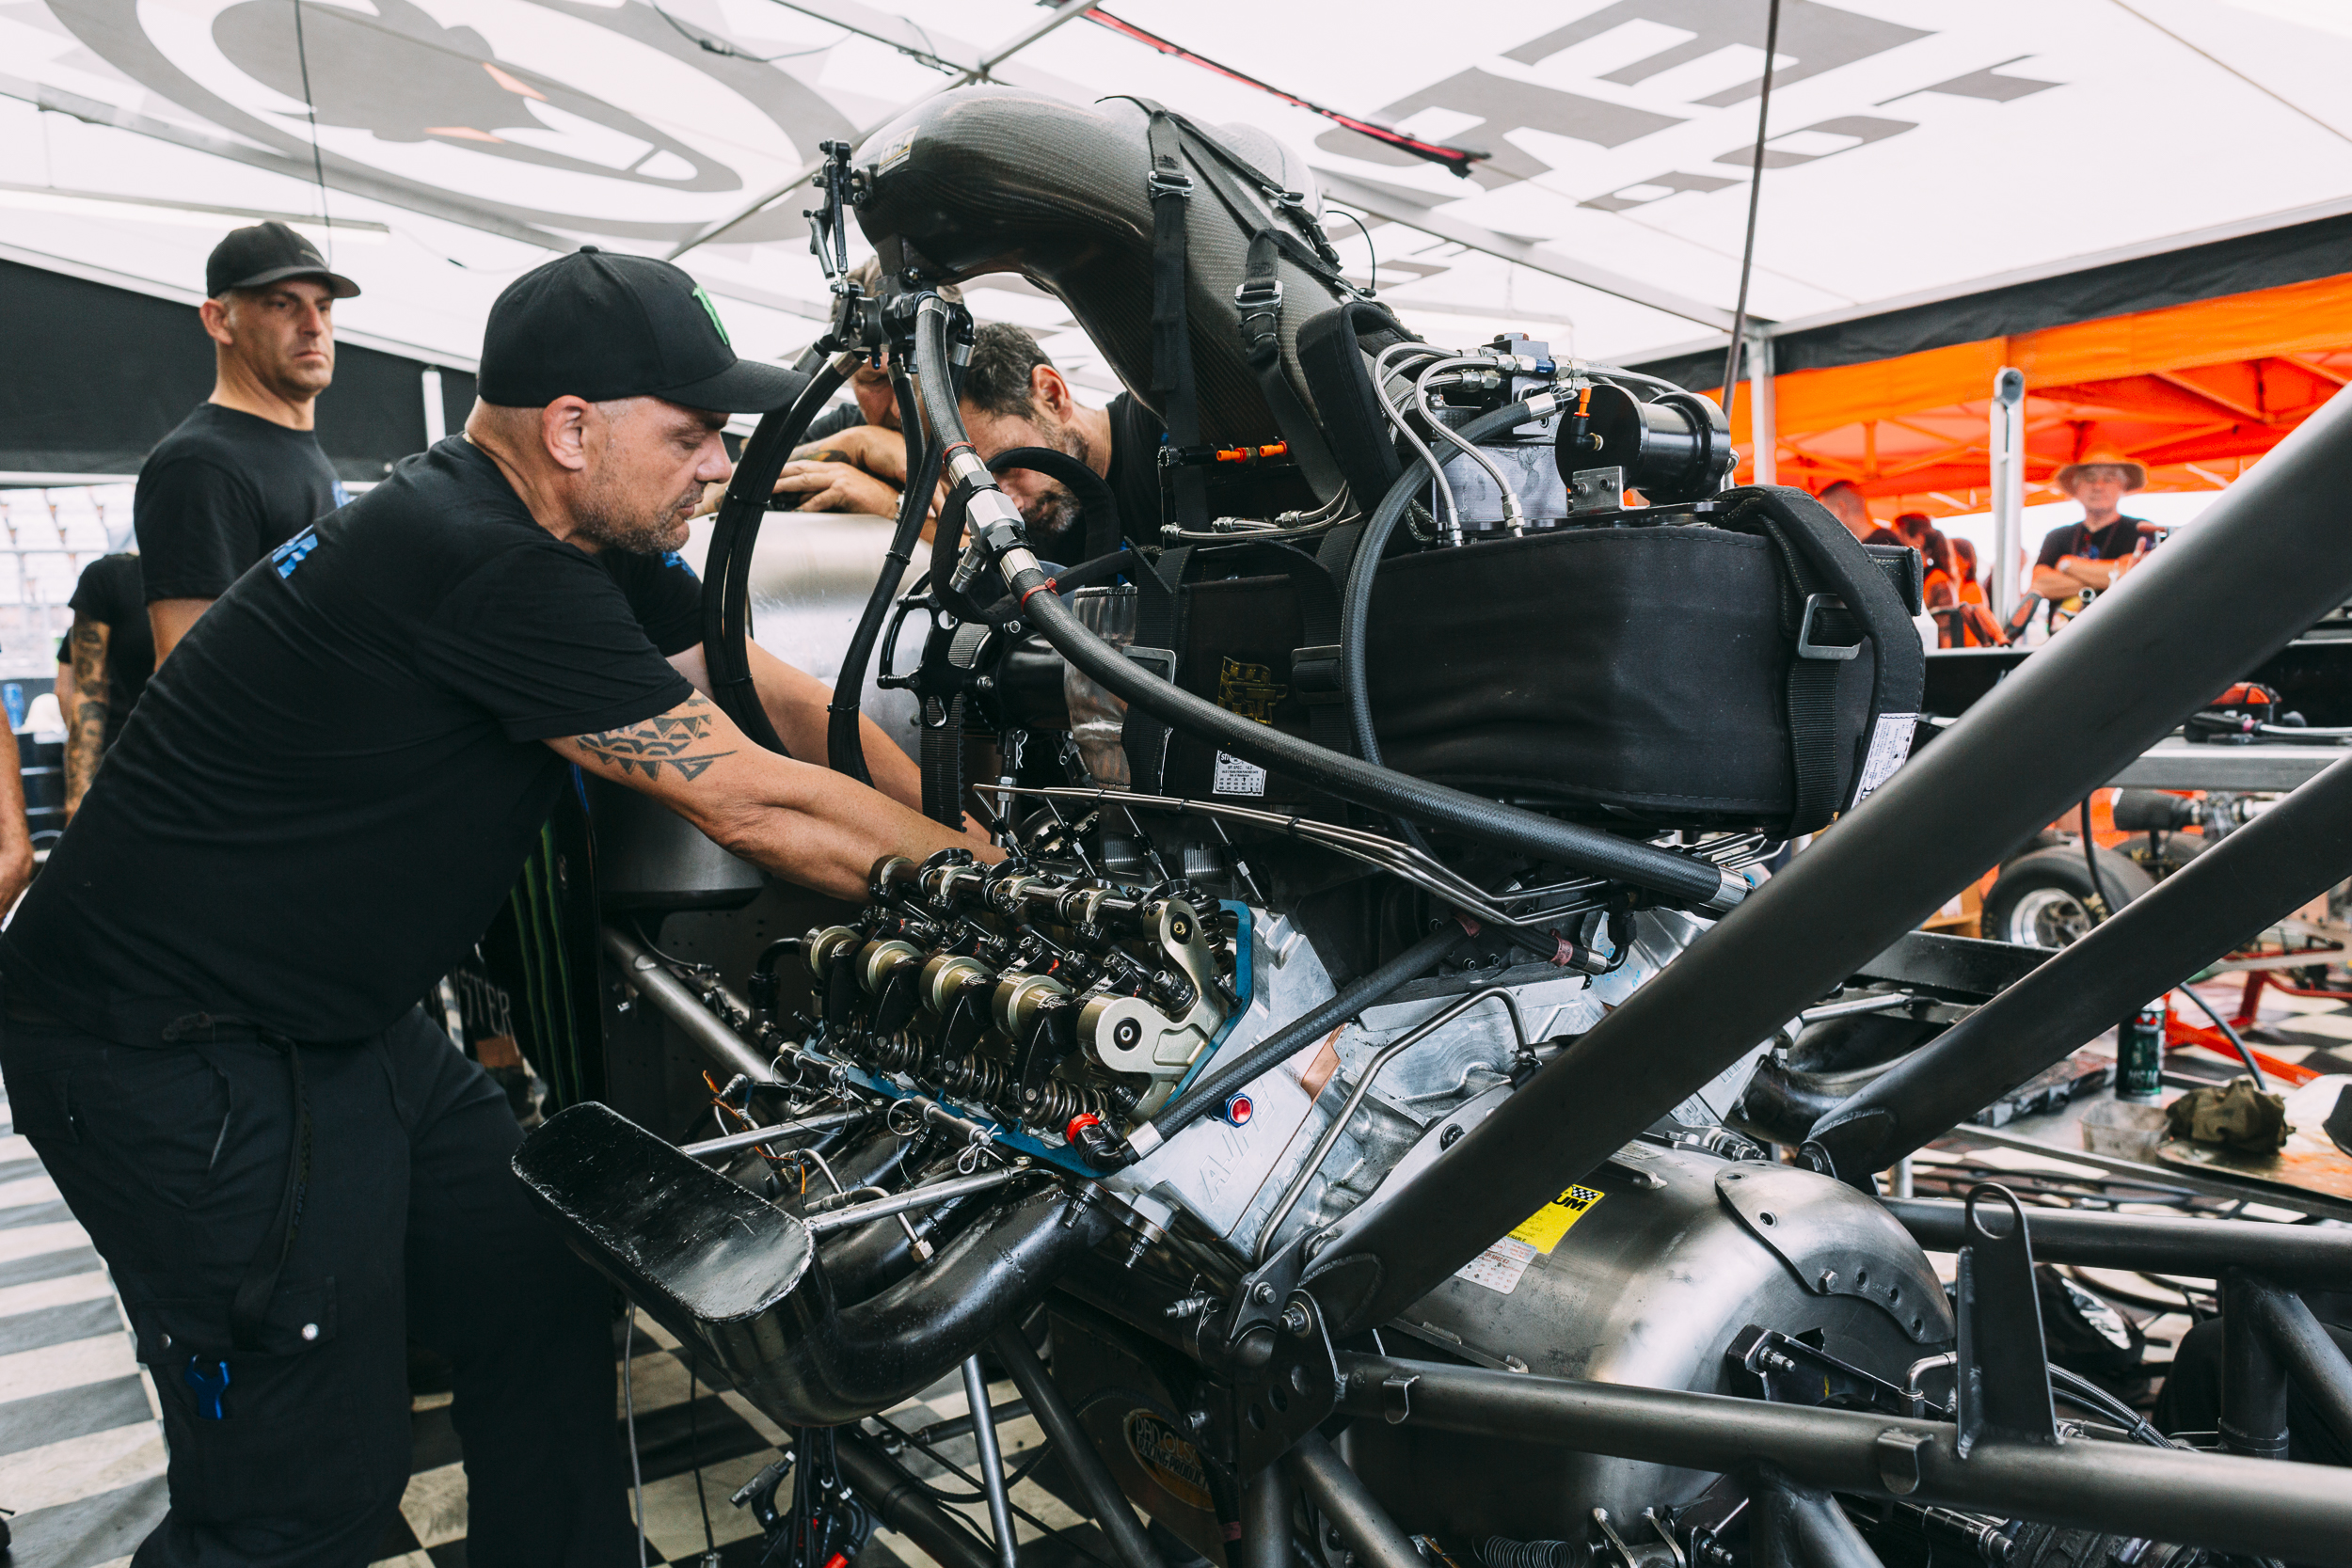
[(2140, 1054)]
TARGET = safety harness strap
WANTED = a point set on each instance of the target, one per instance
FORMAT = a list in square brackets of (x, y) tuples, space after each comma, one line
[(1172, 385)]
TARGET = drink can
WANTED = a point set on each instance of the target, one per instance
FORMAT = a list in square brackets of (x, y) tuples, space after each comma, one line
[(2140, 1054)]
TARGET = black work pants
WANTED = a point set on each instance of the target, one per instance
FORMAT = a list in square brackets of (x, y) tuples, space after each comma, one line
[(174, 1158)]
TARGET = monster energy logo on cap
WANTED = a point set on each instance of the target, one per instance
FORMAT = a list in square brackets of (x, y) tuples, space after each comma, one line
[(712, 311)]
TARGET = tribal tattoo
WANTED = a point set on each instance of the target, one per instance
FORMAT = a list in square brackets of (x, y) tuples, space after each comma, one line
[(668, 739)]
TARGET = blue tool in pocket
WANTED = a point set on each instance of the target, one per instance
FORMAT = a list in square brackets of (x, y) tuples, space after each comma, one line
[(209, 1379)]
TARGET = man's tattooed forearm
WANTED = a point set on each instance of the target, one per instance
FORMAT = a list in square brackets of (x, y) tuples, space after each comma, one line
[(678, 739)]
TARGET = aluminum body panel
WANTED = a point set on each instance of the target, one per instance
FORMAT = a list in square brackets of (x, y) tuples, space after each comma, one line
[(1648, 1287)]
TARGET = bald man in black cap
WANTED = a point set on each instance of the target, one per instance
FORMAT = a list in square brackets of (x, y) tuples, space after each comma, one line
[(244, 472), (211, 1034)]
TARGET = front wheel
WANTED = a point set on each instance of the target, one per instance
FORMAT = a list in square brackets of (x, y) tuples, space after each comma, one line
[(2045, 899)]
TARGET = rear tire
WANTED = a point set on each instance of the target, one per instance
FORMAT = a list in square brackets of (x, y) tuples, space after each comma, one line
[(2043, 899)]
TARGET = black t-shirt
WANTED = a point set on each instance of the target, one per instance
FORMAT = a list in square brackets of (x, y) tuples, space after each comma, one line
[(109, 592), (220, 492), (2114, 542), (1135, 474), (833, 421), (328, 789)]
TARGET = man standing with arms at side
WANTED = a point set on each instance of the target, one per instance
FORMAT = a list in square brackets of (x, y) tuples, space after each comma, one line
[(112, 656), (243, 474)]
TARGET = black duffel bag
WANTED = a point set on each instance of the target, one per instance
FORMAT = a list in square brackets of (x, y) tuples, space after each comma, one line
[(1760, 669)]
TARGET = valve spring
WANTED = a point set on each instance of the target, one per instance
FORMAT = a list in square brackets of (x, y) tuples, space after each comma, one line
[(898, 1053), (1054, 1103), (1497, 1551), (974, 1078)]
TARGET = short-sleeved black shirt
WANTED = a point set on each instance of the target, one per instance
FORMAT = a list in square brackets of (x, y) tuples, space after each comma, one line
[(109, 592), (1135, 473), (2114, 542), (833, 421), (221, 491), (334, 780)]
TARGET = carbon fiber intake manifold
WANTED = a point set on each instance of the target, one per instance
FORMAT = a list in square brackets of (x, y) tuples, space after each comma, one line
[(989, 179)]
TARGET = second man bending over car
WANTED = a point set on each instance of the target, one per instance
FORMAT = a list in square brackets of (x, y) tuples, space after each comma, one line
[(1014, 397)]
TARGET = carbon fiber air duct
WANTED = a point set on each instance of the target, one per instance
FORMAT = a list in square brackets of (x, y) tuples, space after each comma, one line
[(989, 179)]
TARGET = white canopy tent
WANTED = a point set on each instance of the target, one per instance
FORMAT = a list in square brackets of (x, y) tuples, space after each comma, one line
[(1915, 148)]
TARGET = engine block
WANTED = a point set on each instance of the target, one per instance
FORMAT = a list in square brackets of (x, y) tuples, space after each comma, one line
[(1037, 1001)]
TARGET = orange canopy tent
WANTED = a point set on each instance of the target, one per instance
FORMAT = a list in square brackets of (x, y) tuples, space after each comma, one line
[(2196, 391)]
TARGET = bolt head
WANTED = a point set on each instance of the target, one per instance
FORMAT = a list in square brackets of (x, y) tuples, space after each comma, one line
[(1829, 1280), (1261, 1292)]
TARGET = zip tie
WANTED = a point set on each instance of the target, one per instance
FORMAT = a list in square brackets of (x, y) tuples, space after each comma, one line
[(1039, 589)]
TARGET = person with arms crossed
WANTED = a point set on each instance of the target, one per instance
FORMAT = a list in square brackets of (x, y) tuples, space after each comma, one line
[(244, 472), (211, 1032), (2084, 560)]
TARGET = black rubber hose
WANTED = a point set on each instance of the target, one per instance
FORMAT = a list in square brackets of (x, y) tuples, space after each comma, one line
[(1483, 821), (845, 745), (727, 566), (1093, 493), (1211, 1092)]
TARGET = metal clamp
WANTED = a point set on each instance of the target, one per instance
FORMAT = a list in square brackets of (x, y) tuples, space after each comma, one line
[(1897, 1452), (1160, 662), (1806, 647)]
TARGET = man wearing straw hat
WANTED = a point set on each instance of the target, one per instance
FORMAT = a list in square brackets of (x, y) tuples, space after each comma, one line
[(2083, 560)]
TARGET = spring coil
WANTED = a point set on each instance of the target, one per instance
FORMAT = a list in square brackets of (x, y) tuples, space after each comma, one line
[(974, 1078), (1497, 1551), (898, 1053), (1056, 1103)]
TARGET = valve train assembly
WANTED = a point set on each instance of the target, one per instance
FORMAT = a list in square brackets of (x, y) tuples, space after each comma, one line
[(1344, 1079)]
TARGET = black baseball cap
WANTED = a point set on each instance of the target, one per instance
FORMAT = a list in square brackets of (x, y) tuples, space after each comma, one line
[(265, 253), (600, 325)]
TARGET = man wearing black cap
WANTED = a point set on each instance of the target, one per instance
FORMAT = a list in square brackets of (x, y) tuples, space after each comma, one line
[(210, 1032), (243, 474)]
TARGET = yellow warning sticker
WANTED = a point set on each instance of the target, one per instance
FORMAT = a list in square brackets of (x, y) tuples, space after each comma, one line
[(1543, 1229)]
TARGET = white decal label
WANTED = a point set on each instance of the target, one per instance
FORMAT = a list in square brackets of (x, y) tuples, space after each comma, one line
[(1236, 776), (1890, 744), (1500, 1266)]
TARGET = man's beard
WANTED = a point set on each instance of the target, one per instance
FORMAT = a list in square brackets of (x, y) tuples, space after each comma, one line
[(608, 519), (1054, 518)]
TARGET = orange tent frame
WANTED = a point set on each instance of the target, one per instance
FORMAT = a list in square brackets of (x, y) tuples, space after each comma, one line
[(2194, 391)]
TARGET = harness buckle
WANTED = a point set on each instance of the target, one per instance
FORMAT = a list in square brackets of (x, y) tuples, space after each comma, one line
[(1806, 647), (1163, 183)]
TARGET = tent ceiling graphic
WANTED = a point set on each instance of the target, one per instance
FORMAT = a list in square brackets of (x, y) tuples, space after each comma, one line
[(1915, 146)]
